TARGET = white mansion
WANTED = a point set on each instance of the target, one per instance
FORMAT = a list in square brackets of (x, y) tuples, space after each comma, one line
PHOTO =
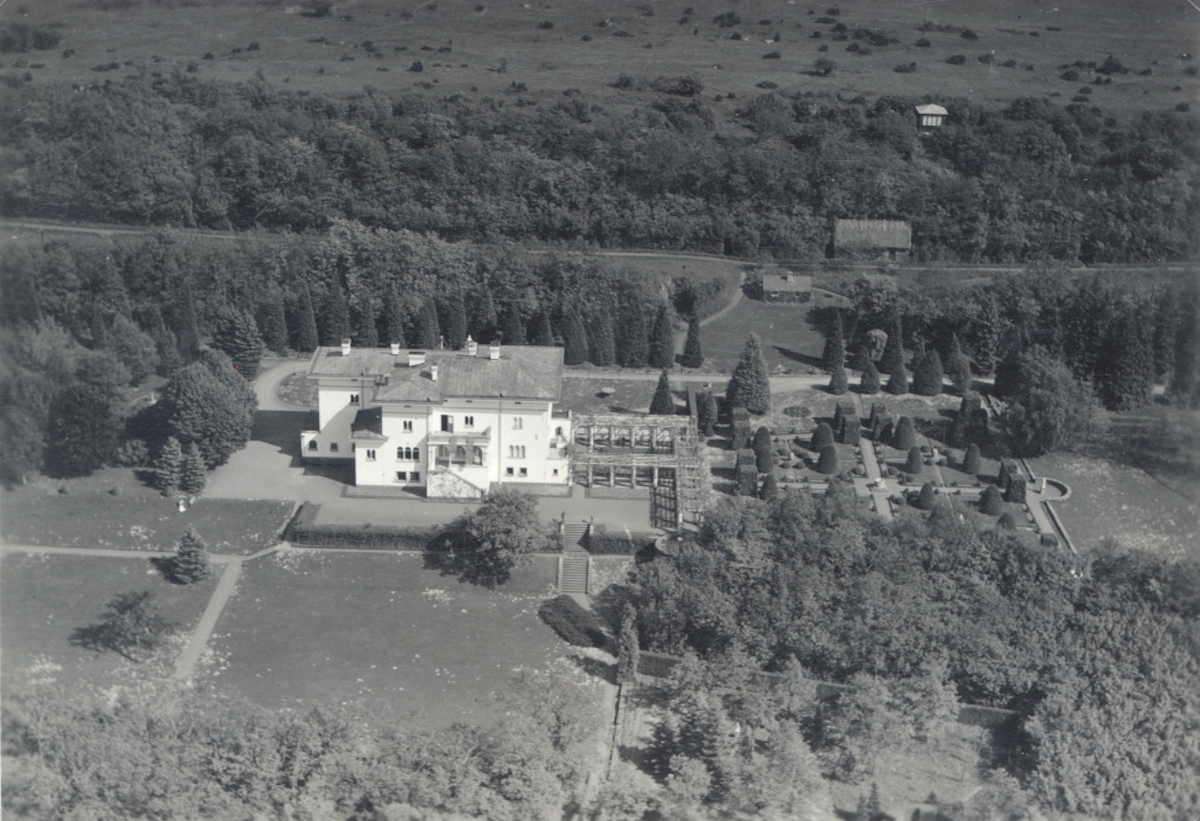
[(456, 423)]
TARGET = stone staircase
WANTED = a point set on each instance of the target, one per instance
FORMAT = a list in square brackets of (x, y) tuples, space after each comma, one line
[(575, 561)]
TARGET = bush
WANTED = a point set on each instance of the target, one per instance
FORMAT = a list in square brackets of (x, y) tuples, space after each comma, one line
[(1069, 76), (905, 436), (905, 68), (990, 502), (133, 453), (767, 85), (972, 460), (967, 34), (618, 544), (772, 55), (914, 462), (824, 66), (926, 498), (574, 624), (828, 463), (303, 532), (923, 43), (821, 438), (956, 59)]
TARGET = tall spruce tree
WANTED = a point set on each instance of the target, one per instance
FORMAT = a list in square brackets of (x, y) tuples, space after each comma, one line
[(366, 331), (513, 327), (664, 401), (237, 336), (272, 322), (452, 319), (192, 473), (834, 354), (693, 355), (427, 334), (168, 466), (602, 345), (191, 562), (186, 325), (393, 318), (749, 386), (893, 351), (335, 318), (928, 377), (575, 344), (1008, 374), (84, 424), (306, 323), (870, 378), (662, 340), (1184, 386), (634, 351)]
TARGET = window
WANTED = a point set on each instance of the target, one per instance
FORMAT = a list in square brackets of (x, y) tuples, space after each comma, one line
[(524, 471), (468, 421), (354, 399), (371, 455), (415, 476), (353, 447), (477, 455), (516, 451), (401, 476), (556, 471), (333, 447), (408, 454), (508, 471), (447, 423), (408, 426), (518, 423), (460, 454), (312, 445), (558, 431)]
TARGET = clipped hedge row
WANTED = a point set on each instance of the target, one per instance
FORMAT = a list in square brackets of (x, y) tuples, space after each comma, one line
[(305, 533), (574, 624), (618, 544)]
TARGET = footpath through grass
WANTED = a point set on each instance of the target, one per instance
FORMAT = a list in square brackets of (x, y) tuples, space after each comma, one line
[(381, 634)]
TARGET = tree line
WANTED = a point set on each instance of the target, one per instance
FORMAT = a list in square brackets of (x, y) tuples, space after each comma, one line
[(1028, 181)]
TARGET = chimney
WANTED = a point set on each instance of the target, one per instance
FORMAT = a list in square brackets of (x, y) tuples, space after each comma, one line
[(472, 346), (395, 349), (494, 350), (416, 358), (346, 347), (433, 372)]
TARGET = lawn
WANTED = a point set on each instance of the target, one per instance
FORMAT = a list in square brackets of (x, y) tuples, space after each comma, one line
[(696, 269), (790, 343), (298, 389), (380, 633), (143, 522), (44, 598)]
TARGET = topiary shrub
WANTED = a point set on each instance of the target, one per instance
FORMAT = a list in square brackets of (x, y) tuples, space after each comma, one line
[(956, 59), (926, 498), (573, 623), (905, 436), (747, 480), (990, 502), (821, 438), (828, 463), (973, 461), (915, 461)]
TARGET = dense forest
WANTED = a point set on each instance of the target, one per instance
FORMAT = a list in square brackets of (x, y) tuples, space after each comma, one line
[(1030, 181)]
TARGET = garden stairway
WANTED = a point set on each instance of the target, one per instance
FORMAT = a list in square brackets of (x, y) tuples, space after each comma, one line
[(575, 562)]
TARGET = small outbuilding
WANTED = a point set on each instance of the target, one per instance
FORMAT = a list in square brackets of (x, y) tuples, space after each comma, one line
[(930, 116), (882, 240), (786, 286)]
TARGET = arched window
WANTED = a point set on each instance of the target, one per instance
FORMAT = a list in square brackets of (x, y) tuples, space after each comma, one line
[(443, 452), (477, 455), (312, 444), (460, 454)]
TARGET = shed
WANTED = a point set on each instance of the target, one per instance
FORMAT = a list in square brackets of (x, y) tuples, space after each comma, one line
[(786, 286), (885, 240), (931, 115)]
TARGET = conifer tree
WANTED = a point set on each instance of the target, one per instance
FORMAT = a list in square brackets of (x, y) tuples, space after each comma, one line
[(1008, 374), (542, 333), (628, 648), (870, 377), (1127, 364), (1184, 385), (958, 367), (272, 323), (893, 351), (770, 488), (306, 323), (484, 321), (897, 380), (191, 562), (828, 463), (575, 344), (925, 499), (693, 355), (452, 320), (915, 461), (662, 340), (366, 331), (928, 378), (987, 345), (749, 386), (1006, 522), (822, 436), (973, 460), (635, 341), (237, 336), (192, 475), (905, 435), (98, 326), (835, 344), (707, 412), (168, 467), (513, 327), (427, 333), (393, 318), (991, 503), (335, 318), (187, 327), (764, 457), (165, 343), (664, 401), (602, 345), (838, 384)]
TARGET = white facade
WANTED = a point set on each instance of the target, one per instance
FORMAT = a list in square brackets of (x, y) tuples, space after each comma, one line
[(453, 423)]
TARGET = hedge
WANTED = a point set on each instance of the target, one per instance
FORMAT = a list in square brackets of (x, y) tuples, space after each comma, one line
[(302, 531), (574, 624), (618, 544)]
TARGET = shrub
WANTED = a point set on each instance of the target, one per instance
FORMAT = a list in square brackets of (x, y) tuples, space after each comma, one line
[(987, 59), (767, 85), (926, 498), (972, 462), (545, 24), (574, 624), (929, 375), (727, 20), (417, 66), (914, 462), (747, 480), (824, 66), (838, 384), (133, 453), (1069, 76), (990, 502), (956, 59), (617, 544), (923, 43), (870, 378), (1049, 540), (821, 438), (967, 34), (770, 488), (905, 436), (905, 68), (772, 55), (828, 463)]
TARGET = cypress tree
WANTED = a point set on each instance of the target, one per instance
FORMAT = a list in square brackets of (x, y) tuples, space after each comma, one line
[(484, 322), (168, 467), (838, 383), (822, 436), (628, 648), (366, 331), (237, 336), (187, 328), (987, 345), (1184, 383), (828, 463), (1008, 374), (191, 562), (835, 344), (662, 340), (635, 341), (453, 321), (393, 318), (272, 323), (664, 401), (973, 460), (749, 386), (693, 356), (602, 345), (99, 326), (707, 413), (427, 334), (958, 367), (192, 474), (513, 327), (165, 344), (928, 378), (770, 488), (905, 435), (870, 377), (306, 323), (893, 351), (335, 318), (1127, 364), (991, 503), (897, 380), (925, 498), (764, 457), (575, 346), (915, 462), (542, 333)]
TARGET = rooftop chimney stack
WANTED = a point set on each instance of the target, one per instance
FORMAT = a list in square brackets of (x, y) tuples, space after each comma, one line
[(472, 346), (433, 372), (346, 347), (494, 350), (395, 349)]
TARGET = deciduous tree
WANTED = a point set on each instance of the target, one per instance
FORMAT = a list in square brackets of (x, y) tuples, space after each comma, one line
[(499, 536), (628, 648)]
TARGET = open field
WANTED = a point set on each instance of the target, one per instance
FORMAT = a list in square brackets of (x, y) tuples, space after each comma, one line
[(138, 522), (44, 598), (485, 48), (437, 650)]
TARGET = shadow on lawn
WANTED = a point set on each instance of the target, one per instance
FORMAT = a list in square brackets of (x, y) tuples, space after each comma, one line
[(796, 356)]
